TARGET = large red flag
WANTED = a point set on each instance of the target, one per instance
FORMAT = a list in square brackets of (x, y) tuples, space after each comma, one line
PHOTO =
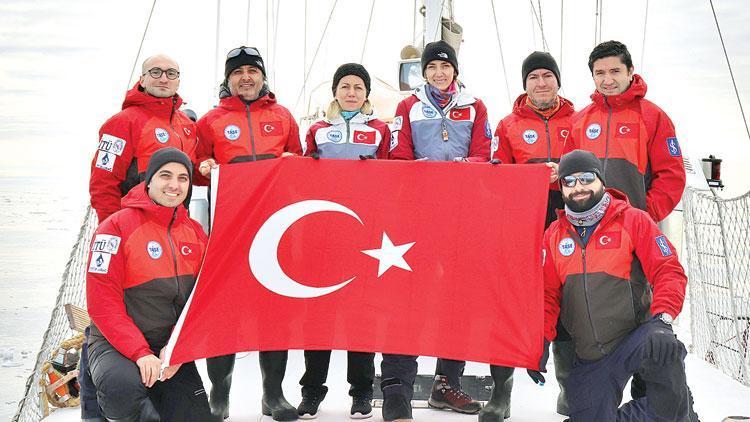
[(422, 258)]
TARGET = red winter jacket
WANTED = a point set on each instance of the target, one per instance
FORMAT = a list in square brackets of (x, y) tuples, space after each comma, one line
[(363, 134), (602, 291), (127, 140), (143, 265), (637, 144), (524, 136), (235, 131)]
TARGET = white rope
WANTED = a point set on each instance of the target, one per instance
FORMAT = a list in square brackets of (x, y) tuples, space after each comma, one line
[(317, 49), (247, 24), (367, 33), (143, 38), (539, 23), (643, 46), (500, 48), (216, 38)]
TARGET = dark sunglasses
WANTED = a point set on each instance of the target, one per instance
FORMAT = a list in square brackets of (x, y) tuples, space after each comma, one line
[(250, 51), (585, 178)]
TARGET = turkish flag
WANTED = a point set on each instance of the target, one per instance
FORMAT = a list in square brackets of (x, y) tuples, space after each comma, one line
[(626, 130), (460, 114), (361, 137), (420, 258), (271, 128)]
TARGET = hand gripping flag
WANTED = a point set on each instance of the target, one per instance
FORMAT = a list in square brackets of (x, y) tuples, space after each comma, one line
[(421, 258)]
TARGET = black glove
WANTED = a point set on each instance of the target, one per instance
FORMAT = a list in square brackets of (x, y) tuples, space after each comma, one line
[(537, 376), (662, 347), (366, 157), (495, 161), (315, 155)]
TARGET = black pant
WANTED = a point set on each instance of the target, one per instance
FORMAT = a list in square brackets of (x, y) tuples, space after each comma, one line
[(87, 393), (121, 393), (360, 371), (404, 369)]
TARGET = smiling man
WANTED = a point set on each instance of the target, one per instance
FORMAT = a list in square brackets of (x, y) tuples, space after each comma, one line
[(248, 125), (616, 284), (144, 263), (633, 137), (535, 132)]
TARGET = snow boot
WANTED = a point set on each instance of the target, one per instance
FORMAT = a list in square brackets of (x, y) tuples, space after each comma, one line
[(498, 407), (563, 353), (447, 396), (396, 406), (220, 370), (272, 368)]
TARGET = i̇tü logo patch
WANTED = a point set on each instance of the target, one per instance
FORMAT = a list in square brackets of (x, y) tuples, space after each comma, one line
[(154, 249), (112, 144), (593, 131), (530, 136), (567, 246), (663, 244), (106, 243), (232, 132), (398, 121), (161, 135)]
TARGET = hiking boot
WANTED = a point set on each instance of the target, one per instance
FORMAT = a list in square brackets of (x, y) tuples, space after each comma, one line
[(446, 396), (396, 408), (361, 407), (311, 399)]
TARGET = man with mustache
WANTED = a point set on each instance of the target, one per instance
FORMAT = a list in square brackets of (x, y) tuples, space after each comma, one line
[(615, 283)]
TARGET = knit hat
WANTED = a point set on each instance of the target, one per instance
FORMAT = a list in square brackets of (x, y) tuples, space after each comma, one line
[(241, 56), (355, 69), (169, 155), (539, 60), (579, 161), (439, 50)]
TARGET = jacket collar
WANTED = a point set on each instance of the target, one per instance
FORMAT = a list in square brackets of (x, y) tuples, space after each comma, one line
[(521, 109), (636, 90)]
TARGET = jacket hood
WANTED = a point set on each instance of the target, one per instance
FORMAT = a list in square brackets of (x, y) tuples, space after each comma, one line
[(520, 107), (235, 102), (137, 97), (138, 198), (636, 90)]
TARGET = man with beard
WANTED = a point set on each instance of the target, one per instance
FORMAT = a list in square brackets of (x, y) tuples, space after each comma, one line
[(248, 125), (616, 284), (535, 132)]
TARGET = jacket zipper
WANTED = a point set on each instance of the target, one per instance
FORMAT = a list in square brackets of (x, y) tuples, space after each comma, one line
[(250, 128), (348, 140), (171, 124), (174, 254), (549, 140), (586, 297), (606, 145)]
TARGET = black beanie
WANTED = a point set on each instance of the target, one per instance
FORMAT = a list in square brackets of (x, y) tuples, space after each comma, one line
[(242, 56), (439, 50), (539, 60), (169, 155), (579, 161), (355, 69)]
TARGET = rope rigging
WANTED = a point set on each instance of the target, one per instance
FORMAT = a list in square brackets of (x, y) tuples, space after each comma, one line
[(317, 49), (598, 23), (500, 47), (726, 56), (140, 46), (367, 32), (538, 19), (643, 47)]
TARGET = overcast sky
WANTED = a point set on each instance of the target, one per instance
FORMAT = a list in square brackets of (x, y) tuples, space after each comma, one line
[(64, 66)]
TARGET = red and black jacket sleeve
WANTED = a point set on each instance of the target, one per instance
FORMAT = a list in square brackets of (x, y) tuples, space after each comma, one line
[(108, 168), (552, 287)]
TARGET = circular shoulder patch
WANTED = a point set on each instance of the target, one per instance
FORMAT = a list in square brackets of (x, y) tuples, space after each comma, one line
[(593, 131), (154, 249), (530, 136), (232, 132), (161, 135), (567, 246)]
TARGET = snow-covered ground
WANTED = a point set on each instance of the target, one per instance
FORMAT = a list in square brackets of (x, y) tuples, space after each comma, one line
[(716, 395)]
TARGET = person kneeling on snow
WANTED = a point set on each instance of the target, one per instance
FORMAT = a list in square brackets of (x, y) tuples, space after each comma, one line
[(616, 284), (144, 262)]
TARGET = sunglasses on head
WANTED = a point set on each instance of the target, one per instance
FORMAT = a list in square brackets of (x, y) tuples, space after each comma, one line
[(585, 178), (250, 51)]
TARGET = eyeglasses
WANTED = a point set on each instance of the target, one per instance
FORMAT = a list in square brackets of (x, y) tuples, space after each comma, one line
[(156, 73), (250, 51), (586, 178)]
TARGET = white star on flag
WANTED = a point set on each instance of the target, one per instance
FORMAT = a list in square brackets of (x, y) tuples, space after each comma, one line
[(390, 255)]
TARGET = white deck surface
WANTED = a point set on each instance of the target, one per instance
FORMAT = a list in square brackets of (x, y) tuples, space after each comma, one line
[(716, 395)]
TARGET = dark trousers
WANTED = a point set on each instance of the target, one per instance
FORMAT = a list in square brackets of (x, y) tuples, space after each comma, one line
[(87, 393), (360, 371), (404, 369), (121, 393), (595, 388)]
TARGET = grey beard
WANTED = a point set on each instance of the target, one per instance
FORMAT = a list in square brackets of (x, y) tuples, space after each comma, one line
[(544, 106)]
